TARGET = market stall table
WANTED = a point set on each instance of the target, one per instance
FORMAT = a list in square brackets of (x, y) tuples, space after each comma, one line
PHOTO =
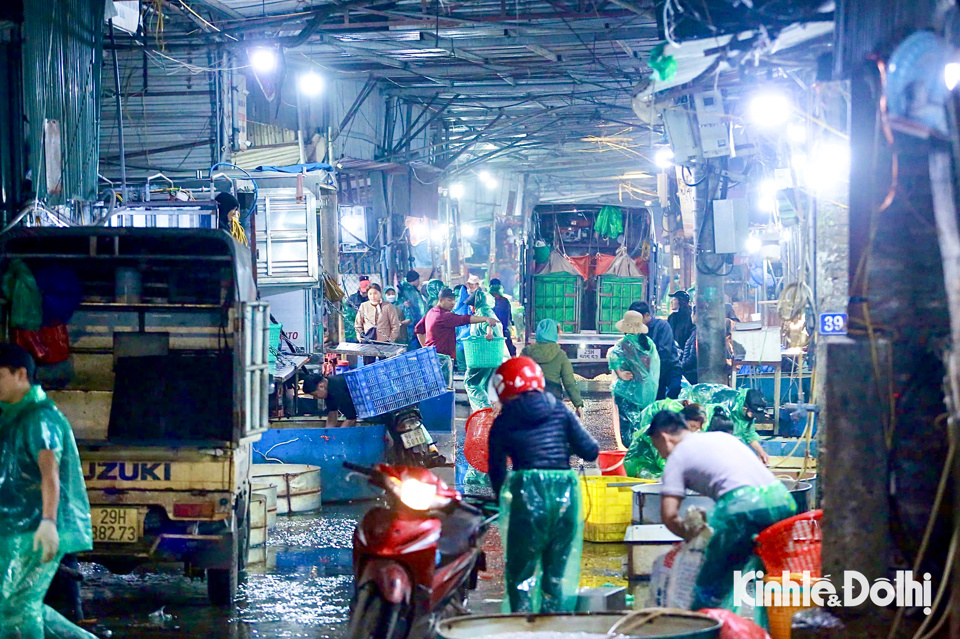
[(285, 368)]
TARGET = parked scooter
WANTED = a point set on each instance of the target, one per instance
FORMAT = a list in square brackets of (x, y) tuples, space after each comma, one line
[(415, 558), (412, 444)]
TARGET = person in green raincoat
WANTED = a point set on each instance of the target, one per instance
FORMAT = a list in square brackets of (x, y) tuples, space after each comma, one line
[(433, 292), (642, 459), (412, 303), (743, 406), (556, 366), (748, 499), (541, 502), (635, 363), (476, 380), (44, 510)]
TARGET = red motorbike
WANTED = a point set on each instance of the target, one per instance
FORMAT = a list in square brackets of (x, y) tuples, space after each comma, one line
[(415, 558)]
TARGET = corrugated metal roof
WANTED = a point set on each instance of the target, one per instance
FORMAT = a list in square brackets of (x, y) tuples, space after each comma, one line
[(274, 155)]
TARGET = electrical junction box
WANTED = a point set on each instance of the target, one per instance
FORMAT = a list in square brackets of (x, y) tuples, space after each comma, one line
[(679, 124), (712, 122), (731, 225), (353, 229)]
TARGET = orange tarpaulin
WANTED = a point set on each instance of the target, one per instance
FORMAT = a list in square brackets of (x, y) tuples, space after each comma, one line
[(582, 264), (603, 263)]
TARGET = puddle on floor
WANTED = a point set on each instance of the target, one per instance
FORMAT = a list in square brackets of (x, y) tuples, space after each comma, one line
[(305, 586)]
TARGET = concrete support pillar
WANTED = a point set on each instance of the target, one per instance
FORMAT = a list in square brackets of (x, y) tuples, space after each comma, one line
[(711, 342), (330, 256), (856, 523)]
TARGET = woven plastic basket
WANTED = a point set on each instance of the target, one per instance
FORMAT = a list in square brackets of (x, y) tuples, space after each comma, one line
[(481, 352), (792, 544)]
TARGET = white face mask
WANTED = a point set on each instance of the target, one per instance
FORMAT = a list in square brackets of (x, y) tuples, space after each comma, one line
[(391, 298)]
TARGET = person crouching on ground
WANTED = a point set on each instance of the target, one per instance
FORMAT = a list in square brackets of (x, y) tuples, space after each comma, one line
[(44, 510), (540, 499), (749, 499)]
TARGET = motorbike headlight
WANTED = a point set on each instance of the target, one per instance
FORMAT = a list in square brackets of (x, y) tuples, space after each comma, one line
[(420, 496)]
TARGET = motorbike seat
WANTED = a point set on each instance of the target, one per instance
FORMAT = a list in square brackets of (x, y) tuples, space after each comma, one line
[(456, 532)]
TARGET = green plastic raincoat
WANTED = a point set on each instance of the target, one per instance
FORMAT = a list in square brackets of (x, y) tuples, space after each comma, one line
[(433, 293), (642, 459), (542, 514), (738, 516), (26, 428), (349, 320), (476, 380), (733, 400), (633, 396)]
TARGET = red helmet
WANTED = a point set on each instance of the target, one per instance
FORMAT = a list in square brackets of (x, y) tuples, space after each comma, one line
[(518, 375)]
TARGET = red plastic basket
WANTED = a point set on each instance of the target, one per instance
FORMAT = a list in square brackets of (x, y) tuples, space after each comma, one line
[(792, 545), (476, 447)]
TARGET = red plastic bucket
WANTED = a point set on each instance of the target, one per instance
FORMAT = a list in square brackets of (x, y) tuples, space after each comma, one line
[(611, 462)]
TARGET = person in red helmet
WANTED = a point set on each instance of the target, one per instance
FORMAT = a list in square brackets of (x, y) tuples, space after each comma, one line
[(540, 499)]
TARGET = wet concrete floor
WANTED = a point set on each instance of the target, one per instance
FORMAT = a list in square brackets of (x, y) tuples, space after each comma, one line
[(302, 590), (305, 586)]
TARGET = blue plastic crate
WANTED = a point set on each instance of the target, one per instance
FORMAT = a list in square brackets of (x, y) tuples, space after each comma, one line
[(395, 383)]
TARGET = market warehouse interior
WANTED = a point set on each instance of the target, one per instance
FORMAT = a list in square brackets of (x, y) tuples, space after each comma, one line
[(386, 319)]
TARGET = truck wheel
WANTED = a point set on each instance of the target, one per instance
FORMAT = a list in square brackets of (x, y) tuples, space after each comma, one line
[(222, 582)]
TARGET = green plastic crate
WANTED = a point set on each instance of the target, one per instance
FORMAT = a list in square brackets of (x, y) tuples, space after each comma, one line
[(557, 296), (614, 297)]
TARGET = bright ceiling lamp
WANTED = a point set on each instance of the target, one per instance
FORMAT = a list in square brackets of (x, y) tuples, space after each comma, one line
[(262, 59), (310, 84), (770, 109)]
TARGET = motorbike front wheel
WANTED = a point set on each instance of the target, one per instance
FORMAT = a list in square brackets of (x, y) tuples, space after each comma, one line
[(373, 617)]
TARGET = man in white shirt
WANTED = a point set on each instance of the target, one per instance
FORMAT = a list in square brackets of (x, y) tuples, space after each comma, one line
[(749, 498)]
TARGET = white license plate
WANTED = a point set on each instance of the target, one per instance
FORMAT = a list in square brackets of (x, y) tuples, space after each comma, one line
[(116, 525), (413, 438), (590, 353)]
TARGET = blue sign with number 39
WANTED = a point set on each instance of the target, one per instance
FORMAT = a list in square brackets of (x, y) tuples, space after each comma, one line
[(833, 323)]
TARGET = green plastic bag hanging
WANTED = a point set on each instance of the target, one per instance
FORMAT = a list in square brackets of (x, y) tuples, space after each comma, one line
[(541, 523), (643, 362), (609, 222), (664, 65), (23, 295)]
